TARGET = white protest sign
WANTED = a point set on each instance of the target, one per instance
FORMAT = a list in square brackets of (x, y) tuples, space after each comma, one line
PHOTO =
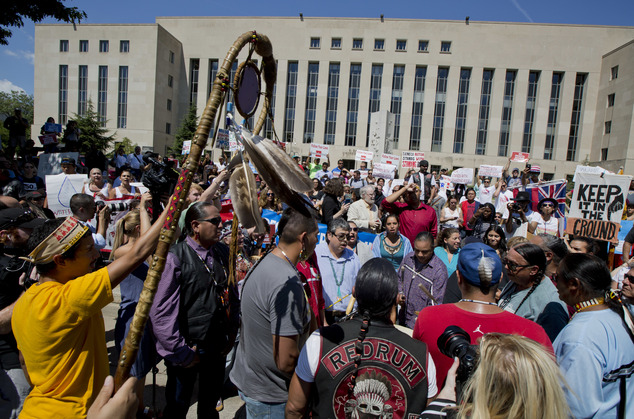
[(51, 164), (490, 171), (222, 139), (318, 150), (390, 159), (411, 159), (394, 183), (382, 170), (462, 176), (187, 145), (519, 157), (363, 155), (59, 189), (142, 188), (592, 170), (233, 143)]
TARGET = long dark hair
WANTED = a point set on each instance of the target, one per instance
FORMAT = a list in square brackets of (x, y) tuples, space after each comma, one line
[(502, 244), (534, 255)]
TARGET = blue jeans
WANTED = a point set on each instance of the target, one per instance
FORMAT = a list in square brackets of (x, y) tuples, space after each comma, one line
[(261, 410)]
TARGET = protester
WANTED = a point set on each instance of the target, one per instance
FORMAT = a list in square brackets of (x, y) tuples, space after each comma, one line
[(447, 248), (331, 208), (481, 220), (125, 190), (17, 126), (545, 221), (361, 385), (502, 197), (579, 244), (96, 186), (519, 215), (469, 206), (71, 136), (361, 249), (451, 214), (364, 212), (485, 190), (391, 244), (68, 166), (268, 201), (324, 172), (30, 180), (495, 238), (356, 182), (414, 215), (555, 250), (120, 160), (424, 180)]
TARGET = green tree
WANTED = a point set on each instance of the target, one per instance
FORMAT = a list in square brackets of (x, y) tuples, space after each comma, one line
[(127, 144), (12, 13), (8, 103), (93, 133), (185, 131)]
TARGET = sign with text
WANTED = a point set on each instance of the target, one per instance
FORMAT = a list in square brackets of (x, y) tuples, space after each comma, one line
[(383, 170), (59, 189), (318, 150), (187, 145), (593, 170), (47, 139), (490, 171), (390, 159), (411, 159), (363, 155), (597, 206), (462, 176), (222, 139), (49, 127), (519, 157)]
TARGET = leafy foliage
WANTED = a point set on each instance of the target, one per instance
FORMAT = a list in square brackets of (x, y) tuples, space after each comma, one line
[(128, 145), (12, 13), (8, 103), (185, 131), (93, 134)]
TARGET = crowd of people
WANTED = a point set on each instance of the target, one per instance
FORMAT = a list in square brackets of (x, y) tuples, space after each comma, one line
[(349, 322)]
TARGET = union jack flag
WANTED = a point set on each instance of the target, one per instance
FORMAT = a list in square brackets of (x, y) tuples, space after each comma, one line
[(555, 189)]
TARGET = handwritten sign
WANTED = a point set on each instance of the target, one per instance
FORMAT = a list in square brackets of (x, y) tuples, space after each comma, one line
[(318, 150), (363, 155), (519, 157), (462, 176), (187, 145), (47, 139), (390, 159), (383, 170), (597, 206), (50, 127), (593, 170), (490, 171), (222, 139), (411, 159), (59, 189)]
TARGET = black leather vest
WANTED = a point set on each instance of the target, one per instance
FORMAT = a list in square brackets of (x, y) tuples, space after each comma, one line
[(201, 308), (392, 377)]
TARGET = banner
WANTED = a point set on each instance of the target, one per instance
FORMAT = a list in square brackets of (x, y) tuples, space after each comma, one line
[(490, 171), (187, 145), (59, 189), (318, 150), (411, 159), (519, 157), (222, 139), (462, 176), (363, 155), (592, 170), (555, 189), (50, 127), (597, 206), (382, 170), (390, 159)]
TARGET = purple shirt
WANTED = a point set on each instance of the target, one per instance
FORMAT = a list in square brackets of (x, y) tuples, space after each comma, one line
[(408, 284)]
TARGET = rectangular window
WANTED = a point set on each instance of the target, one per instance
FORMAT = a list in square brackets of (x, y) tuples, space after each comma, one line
[(614, 72), (168, 128), (551, 128), (311, 102), (291, 97), (610, 100), (529, 118), (268, 124), (401, 45), (352, 112), (375, 95), (122, 99), (379, 44), (423, 46), (63, 94), (194, 65), (124, 46), (82, 90), (171, 57), (232, 75), (334, 72), (577, 115), (315, 42), (507, 112), (63, 45), (169, 104), (335, 43), (102, 96), (104, 46), (483, 117), (608, 127), (461, 110), (170, 81), (397, 98), (357, 43), (604, 154), (439, 108), (417, 108), (83, 46), (445, 46), (211, 77)]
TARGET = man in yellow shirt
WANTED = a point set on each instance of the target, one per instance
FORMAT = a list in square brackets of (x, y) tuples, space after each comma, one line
[(58, 322)]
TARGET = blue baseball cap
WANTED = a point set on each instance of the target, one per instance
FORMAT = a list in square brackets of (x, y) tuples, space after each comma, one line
[(470, 258)]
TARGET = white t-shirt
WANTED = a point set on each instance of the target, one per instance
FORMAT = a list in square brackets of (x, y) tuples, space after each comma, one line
[(485, 194), (549, 227), (448, 213), (502, 201)]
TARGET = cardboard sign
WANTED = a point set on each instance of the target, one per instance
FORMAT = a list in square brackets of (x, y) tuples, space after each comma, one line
[(593, 170), (462, 176), (59, 189), (597, 206), (187, 145), (411, 159), (363, 155), (382, 170), (222, 139), (490, 171), (390, 159), (318, 150), (233, 143), (47, 139), (48, 127), (519, 157), (51, 164)]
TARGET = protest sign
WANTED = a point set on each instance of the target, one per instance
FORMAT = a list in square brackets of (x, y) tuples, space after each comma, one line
[(444, 185), (47, 139), (51, 164), (363, 155), (318, 150), (593, 170), (394, 183), (390, 159), (50, 127), (382, 170), (519, 157), (187, 145), (233, 143), (490, 171), (411, 159), (597, 206), (462, 176), (222, 139), (59, 189)]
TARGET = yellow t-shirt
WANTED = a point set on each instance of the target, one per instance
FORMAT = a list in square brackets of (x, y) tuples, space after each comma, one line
[(60, 332)]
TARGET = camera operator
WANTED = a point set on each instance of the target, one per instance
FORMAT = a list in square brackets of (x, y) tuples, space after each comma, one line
[(479, 271), (518, 218), (84, 208)]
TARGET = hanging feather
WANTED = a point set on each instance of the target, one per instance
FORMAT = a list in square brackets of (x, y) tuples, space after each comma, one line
[(244, 197)]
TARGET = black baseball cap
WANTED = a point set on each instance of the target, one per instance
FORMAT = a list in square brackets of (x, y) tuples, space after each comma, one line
[(19, 217), (423, 163)]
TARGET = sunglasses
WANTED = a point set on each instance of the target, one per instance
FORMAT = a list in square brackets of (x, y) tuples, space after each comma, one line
[(354, 229), (629, 278), (215, 220), (547, 204), (270, 194), (341, 237), (514, 266)]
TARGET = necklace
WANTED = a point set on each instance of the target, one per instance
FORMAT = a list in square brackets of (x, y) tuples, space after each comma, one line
[(589, 303), (466, 300), (289, 261), (338, 281)]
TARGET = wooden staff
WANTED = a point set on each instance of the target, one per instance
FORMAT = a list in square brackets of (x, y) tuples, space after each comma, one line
[(176, 203)]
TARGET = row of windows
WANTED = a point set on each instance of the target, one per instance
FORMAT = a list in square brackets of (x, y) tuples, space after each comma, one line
[(104, 45), (379, 44)]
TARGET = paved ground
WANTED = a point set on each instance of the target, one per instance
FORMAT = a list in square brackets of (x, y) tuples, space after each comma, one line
[(232, 403)]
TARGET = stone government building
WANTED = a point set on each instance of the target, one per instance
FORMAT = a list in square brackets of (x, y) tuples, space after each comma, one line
[(465, 93)]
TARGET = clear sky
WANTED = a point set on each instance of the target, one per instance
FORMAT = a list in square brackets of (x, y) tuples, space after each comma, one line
[(16, 59)]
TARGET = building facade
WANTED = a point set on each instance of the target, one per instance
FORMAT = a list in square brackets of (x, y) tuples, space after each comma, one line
[(465, 93)]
